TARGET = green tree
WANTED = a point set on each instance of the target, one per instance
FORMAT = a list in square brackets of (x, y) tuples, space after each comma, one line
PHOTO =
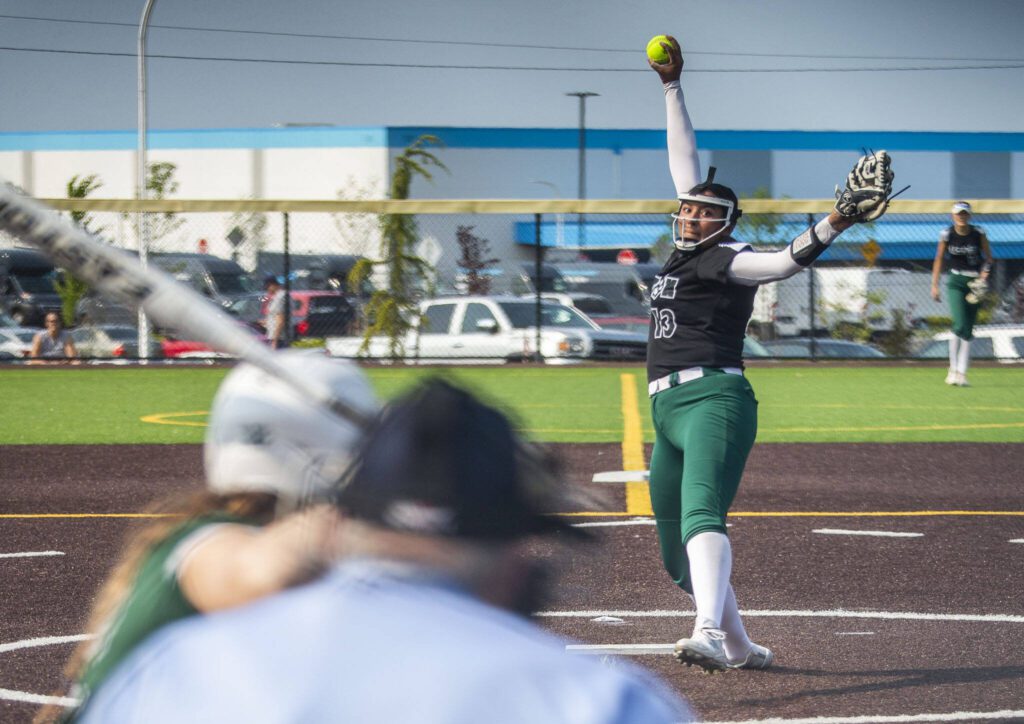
[(160, 184), (393, 310), (70, 288)]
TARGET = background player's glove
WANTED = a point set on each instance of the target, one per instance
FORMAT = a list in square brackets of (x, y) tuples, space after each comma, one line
[(978, 289), (868, 188)]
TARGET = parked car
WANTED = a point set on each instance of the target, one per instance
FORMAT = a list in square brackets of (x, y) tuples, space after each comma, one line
[(517, 278), (6, 321), (753, 349), (94, 308), (111, 341), (622, 285), (1003, 343), (17, 341), (635, 324), (499, 329), (1010, 306), (313, 272), (313, 313), (221, 280), (27, 291), (800, 347), (593, 305)]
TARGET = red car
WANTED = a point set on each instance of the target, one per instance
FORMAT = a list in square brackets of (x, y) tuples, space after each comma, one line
[(314, 313)]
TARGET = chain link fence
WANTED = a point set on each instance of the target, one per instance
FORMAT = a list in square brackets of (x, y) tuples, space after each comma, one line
[(490, 282)]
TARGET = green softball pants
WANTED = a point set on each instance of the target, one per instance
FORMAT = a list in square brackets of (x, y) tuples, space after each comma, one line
[(964, 313), (704, 430)]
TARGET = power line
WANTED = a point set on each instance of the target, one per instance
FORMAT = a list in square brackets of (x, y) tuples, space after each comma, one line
[(524, 46), (442, 66)]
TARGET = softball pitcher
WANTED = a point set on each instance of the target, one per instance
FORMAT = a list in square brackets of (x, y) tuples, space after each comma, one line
[(703, 408)]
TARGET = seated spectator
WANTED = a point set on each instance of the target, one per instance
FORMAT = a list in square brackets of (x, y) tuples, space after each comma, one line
[(54, 342)]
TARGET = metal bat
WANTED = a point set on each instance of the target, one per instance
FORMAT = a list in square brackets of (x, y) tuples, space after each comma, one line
[(121, 277)]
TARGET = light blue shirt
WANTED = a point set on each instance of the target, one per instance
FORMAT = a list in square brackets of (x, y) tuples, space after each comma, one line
[(372, 644)]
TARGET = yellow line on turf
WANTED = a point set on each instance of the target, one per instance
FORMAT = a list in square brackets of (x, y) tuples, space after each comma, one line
[(977, 426), (161, 418), (638, 500)]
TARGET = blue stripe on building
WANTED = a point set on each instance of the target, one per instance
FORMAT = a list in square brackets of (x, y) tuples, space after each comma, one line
[(509, 138)]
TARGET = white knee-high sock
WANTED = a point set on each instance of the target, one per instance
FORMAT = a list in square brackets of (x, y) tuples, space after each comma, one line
[(737, 643), (954, 353), (710, 567), (964, 357)]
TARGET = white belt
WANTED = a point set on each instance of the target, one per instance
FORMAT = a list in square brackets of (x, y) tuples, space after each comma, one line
[(964, 273), (682, 377)]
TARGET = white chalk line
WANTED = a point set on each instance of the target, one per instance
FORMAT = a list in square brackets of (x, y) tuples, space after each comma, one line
[(31, 554), (615, 523), (1017, 540), (879, 533), (621, 649), (888, 719), (834, 613), (27, 697), (41, 699)]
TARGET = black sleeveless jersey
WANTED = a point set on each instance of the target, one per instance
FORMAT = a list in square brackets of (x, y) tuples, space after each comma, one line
[(963, 252), (698, 317)]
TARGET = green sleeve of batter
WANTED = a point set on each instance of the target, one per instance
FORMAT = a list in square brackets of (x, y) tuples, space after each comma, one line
[(155, 600)]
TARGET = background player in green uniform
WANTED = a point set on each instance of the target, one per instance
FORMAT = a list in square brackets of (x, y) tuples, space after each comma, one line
[(965, 250), (267, 453), (703, 408)]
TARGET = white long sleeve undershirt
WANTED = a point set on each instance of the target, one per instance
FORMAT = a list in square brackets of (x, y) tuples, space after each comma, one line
[(751, 268), (683, 161)]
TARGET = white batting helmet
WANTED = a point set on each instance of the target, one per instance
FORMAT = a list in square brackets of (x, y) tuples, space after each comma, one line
[(264, 437)]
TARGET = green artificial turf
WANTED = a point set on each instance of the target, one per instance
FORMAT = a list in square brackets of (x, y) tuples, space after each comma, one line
[(798, 404)]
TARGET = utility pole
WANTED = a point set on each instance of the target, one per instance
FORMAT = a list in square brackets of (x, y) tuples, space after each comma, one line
[(140, 172), (581, 234)]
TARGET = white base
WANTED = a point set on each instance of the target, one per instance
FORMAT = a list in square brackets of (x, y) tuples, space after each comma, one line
[(622, 476)]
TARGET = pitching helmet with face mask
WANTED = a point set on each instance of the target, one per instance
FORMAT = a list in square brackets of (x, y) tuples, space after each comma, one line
[(264, 437), (706, 193)]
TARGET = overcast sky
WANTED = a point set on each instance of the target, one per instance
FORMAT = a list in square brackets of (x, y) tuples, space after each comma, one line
[(598, 47)]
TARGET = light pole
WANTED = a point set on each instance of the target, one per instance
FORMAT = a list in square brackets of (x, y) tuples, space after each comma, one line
[(559, 220), (140, 171), (581, 235)]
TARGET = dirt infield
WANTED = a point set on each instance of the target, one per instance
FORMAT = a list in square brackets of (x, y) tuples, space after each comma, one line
[(926, 619)]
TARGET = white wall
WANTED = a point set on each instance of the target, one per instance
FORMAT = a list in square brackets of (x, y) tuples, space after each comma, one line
[(319, 173), (51, 171), (814, 174)]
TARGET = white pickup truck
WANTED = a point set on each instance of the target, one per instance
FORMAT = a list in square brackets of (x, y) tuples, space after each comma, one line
[(498, 329)]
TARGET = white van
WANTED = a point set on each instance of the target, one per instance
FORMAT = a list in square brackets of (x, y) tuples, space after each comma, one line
[(991, 341), (846, 294)]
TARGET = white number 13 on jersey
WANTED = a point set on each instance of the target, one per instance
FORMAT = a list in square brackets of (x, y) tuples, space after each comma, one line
[(664, 321)]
